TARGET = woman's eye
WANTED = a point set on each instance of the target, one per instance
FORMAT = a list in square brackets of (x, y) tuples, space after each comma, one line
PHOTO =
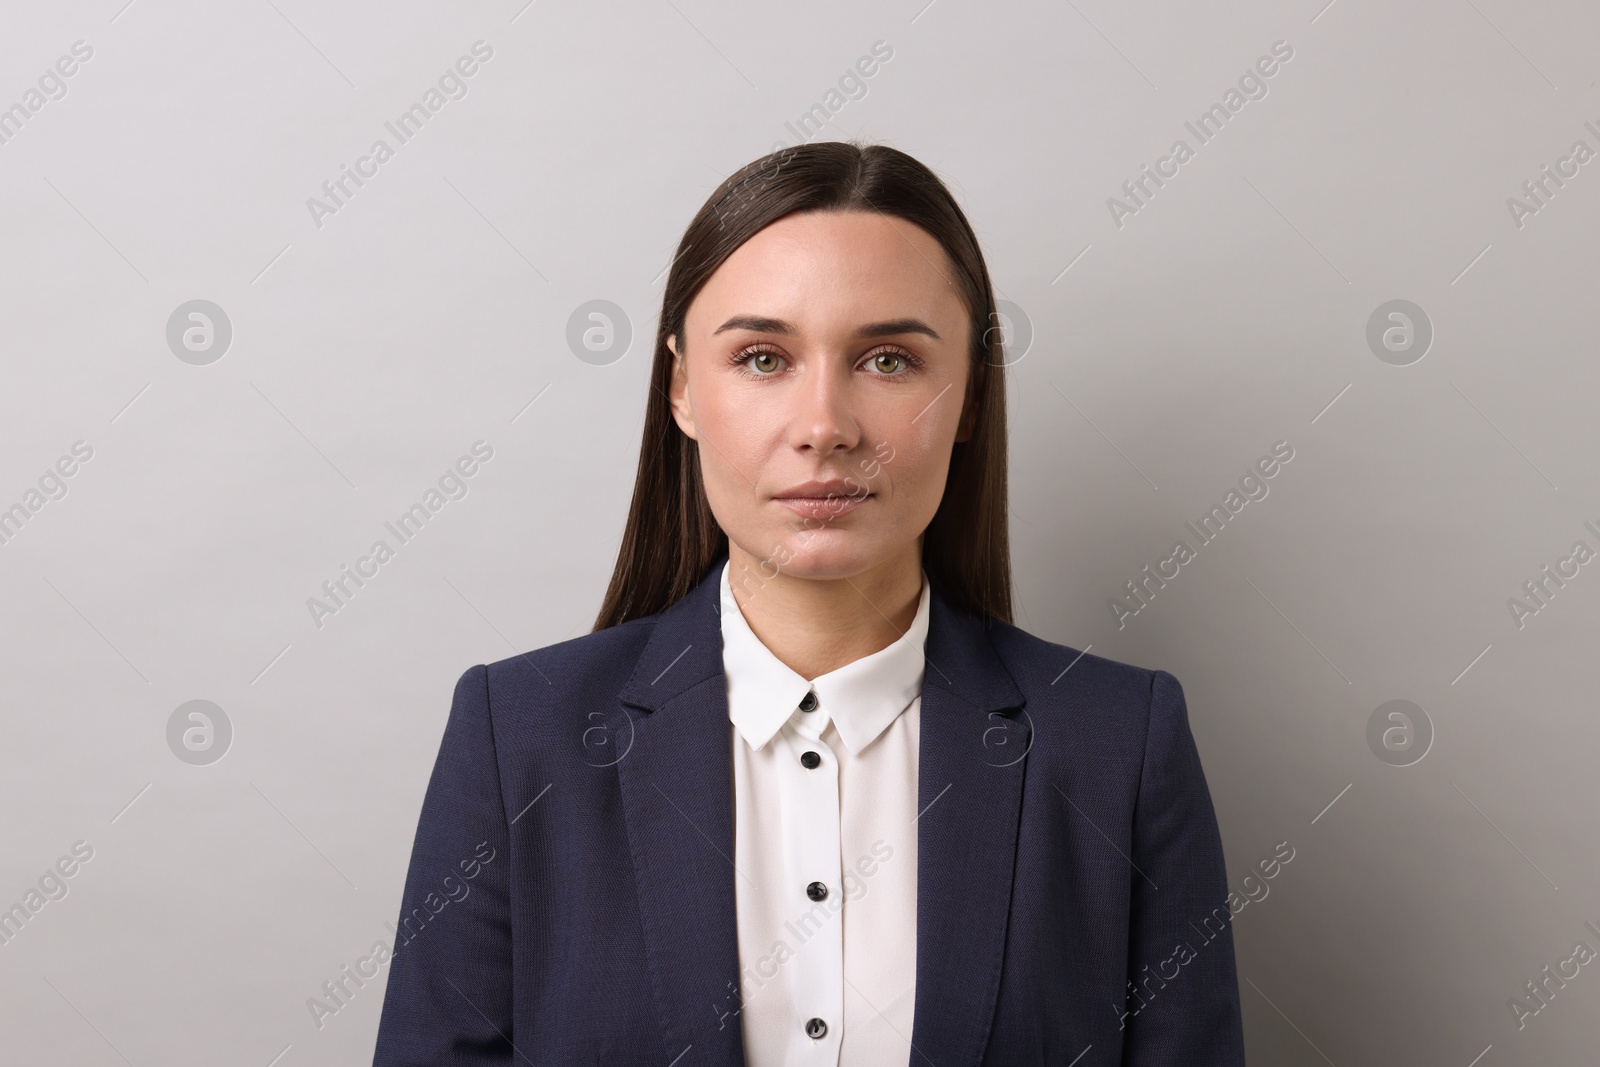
[(894, 364), (758, 362)]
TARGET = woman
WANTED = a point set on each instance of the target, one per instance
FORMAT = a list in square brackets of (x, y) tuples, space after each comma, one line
[(805, 795)]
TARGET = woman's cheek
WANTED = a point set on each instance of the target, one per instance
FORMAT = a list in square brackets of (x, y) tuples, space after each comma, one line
[(913, 455)]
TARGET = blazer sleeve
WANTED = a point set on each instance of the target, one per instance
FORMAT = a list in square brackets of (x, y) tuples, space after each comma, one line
[(1184, 1003), (448, 998)]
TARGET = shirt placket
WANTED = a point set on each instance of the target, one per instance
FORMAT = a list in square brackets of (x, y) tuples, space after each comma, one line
[(810, 801)]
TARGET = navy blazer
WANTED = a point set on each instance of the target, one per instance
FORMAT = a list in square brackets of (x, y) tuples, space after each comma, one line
[(570, 898)]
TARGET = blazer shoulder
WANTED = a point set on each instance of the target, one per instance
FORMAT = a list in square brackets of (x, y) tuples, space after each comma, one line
[(592, 664), (1085, 708), (1042, 667)]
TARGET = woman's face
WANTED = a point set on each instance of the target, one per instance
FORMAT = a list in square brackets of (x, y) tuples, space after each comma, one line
[(832, 348)]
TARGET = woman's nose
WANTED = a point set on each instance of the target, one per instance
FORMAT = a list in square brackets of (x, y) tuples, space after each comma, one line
[(823, 414)]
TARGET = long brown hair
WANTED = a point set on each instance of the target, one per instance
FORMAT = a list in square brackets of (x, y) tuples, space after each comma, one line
[(672, 538)]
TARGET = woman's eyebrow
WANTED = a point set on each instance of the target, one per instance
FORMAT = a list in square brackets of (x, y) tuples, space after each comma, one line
[(761, 324)]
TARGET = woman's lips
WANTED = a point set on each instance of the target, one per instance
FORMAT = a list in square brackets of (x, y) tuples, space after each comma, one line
[(823, 507)]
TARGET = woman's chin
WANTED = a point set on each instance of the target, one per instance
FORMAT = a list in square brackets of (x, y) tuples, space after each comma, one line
[(821, 555)]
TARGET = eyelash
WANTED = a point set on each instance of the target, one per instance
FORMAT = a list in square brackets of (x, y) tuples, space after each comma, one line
[(744, 355)]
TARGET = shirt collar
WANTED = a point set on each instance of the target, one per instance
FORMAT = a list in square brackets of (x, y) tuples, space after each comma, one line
[(861, 698)]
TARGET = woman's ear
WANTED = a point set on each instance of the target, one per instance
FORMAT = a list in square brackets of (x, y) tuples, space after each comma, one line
[(678, 391)]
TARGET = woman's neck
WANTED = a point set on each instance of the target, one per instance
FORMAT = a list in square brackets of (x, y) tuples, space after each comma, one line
[(817, 625)]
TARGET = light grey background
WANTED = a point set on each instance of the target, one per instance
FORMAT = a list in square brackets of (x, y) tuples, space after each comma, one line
[(431, 311)]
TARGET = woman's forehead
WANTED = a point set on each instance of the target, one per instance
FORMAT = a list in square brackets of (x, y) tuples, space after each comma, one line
[(832, 272)]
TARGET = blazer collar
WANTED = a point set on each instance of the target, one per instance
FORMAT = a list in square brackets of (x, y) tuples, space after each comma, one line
[(675, 778)]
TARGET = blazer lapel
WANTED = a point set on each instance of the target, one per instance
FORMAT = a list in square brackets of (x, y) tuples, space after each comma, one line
[(676, 781), (971, 758)]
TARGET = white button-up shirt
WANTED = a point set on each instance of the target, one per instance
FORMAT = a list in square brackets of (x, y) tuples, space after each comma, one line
[(825, 856)]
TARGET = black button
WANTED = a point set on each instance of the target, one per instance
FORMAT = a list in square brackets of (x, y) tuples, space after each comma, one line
[(816, 1027), (816, 891), (809, 703), (810, 759)]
